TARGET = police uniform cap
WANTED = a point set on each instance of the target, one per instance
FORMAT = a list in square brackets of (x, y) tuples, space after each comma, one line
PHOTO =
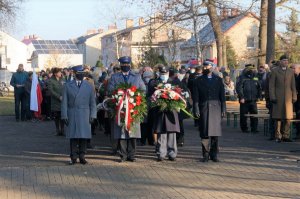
[(283, 57), (249, 66), (78, 68), (125, 60), (163, 69), (207, 63), (182, 71)]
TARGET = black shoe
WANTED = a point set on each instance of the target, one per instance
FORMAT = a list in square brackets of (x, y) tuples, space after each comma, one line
[(172, 158), (278, 140), (205, 158), (122, 160), (131, 159), (254, 131), (160, 159), (83, 161), (72, 162), (215, 159), (287, 140), (245, 131)]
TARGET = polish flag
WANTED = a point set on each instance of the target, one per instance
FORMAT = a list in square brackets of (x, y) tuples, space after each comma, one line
[(36, 97)]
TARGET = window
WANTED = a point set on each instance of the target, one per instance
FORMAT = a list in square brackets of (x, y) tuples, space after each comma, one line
[(250, 42)]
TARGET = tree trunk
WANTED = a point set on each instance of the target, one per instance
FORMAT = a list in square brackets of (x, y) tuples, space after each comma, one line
[(271, 31), (262, 43), (196, 34), (216, 25)]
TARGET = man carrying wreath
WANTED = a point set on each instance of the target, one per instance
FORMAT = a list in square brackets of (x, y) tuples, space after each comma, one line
[(127, 140)]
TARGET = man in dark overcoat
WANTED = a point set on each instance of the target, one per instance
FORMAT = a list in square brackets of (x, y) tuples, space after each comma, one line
[(78, 111), (127, 140), (210, 106)]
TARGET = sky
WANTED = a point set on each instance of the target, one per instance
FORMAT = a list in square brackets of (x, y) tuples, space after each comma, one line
[(65, 19)]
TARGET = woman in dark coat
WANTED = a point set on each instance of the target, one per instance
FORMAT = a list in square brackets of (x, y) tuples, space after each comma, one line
[(209, 105), (55, 87), (165, 124)]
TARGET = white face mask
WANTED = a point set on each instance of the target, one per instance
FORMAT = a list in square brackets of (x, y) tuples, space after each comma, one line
[(164, 78), (180, 77), (193, 70)]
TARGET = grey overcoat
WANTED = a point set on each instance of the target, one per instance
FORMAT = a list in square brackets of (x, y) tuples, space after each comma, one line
[(209, 94), (133, 79), (78, 106)]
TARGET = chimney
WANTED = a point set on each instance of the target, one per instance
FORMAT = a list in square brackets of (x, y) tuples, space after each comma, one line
[(224, 13), (234, 12), (30, 36), (100, 30), (129, 23), (89, 32), (112, 27), (34, 36), (141, 21)]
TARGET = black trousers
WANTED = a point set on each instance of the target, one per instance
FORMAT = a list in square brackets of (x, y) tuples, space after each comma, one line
[(78, 148), (248, 107), (180, 136), (146, 134), (20, 98), (127, 148), (210, 146)]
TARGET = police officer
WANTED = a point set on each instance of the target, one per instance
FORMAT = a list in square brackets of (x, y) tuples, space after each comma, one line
[(127, 141), (249, 91), (209, 106), (78, 111)]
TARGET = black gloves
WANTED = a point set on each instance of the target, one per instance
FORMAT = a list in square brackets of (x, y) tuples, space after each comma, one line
[(196, 110), (66, 121), (91, 120)]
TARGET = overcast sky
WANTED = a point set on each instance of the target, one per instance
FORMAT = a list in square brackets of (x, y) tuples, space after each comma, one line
[(65, 19)]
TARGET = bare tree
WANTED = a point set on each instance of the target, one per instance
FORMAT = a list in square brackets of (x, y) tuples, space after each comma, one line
[(8, 11), (262, 43)]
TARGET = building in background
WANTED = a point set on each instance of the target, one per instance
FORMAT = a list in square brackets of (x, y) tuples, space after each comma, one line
[(12, 53), (240, 29), (134, 41), (55, 53), (90, 45)]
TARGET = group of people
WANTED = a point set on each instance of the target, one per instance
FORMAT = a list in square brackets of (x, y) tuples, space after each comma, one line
[(71, 96)]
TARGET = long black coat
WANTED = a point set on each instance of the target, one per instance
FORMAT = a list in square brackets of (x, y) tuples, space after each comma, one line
[(209, 94)]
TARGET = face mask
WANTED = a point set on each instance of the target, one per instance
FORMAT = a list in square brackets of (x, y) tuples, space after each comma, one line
[(147, 79), (206, 71), (249, 73), (79, 76), (180, 77), (164, 78), (125, 69), (192, 70)]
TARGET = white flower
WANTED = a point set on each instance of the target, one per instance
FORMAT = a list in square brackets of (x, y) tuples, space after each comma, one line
[(131, 111), (172, 94), (131, 100), (119, 97), (134, 104), (168, 86), (120, 92), (157, 92), (131, 93)]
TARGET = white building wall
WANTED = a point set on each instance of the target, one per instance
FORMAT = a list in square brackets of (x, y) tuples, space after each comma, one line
[(13, 53)]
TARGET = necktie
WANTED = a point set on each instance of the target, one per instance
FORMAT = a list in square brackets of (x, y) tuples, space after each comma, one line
[(126, 78)]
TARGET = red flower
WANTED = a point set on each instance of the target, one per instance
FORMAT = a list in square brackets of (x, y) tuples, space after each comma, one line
[(133, 88), (164, 96), (135, 112), (177, 90), (138, 98), (130, 106), (176, 97), (138, 102)]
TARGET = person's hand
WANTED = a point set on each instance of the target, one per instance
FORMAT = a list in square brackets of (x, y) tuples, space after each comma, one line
[(66, 121), (223, 114), (196, 111), (242, 101), (273, 101), (91, 120)]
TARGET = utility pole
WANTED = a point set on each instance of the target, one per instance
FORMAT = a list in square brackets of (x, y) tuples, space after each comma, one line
[(270, 55)]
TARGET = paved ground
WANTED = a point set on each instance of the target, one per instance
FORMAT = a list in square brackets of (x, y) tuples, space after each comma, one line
[(33, 164)]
